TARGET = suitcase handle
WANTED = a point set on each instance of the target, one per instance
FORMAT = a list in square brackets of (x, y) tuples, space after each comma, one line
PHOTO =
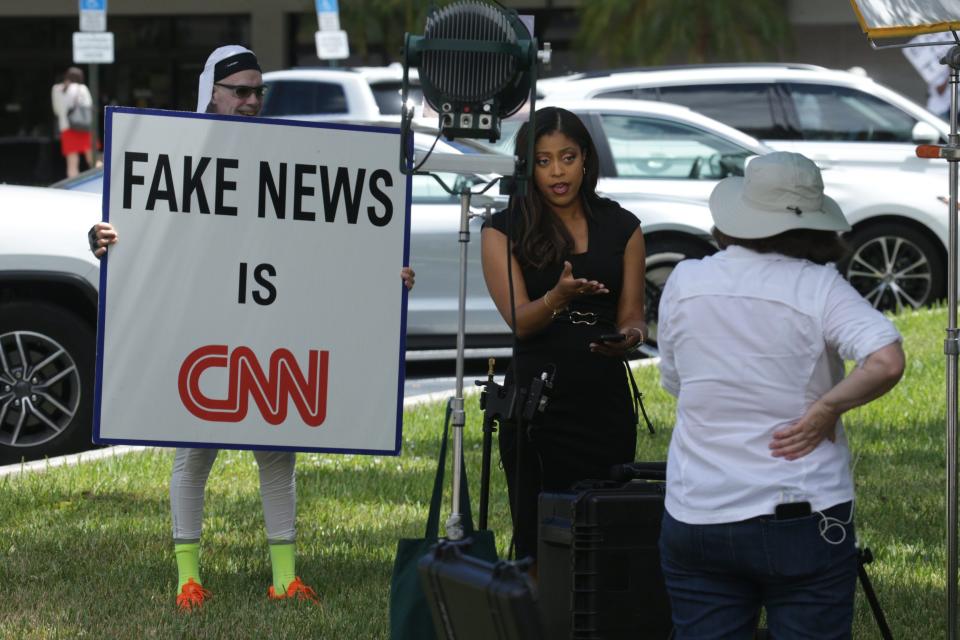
[(638, 471)]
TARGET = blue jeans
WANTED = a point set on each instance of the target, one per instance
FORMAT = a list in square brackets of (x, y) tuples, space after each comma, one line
[(719, 576)]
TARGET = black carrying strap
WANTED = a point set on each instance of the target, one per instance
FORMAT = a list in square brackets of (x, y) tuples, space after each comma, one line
[(433, 519), (638, 408)]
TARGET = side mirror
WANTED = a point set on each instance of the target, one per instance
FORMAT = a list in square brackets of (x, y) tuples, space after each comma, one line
[(925, 133)]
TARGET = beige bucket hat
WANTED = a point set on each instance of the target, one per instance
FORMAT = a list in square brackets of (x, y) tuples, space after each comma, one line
[(779, 192)]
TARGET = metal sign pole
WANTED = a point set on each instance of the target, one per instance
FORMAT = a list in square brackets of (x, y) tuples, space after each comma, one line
[(97, 115)]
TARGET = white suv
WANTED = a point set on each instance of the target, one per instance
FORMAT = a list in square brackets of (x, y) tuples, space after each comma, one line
[(361, 94), (832, 117), (48, 313)]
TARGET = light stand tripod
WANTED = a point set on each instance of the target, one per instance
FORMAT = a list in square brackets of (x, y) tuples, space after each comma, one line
[(951, 346), (894, 18), (454, 524)]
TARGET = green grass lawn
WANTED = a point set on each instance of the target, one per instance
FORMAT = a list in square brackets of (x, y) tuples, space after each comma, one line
[(85, 551)]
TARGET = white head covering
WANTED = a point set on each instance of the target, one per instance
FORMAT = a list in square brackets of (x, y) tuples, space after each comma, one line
[(205, 91)]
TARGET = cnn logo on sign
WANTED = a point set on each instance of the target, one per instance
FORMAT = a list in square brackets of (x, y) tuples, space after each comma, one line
[(271, 390)]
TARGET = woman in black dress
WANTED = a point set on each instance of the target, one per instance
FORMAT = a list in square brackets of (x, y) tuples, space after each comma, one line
[(578, 273)]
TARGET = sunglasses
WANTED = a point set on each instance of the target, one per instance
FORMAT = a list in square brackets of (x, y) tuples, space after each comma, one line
[(243, 91)]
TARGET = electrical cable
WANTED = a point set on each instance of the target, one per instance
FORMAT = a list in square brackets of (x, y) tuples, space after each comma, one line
[(828, 522), (430, 151), (514, 360)]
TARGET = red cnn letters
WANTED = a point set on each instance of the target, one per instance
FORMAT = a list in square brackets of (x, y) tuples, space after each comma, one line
[(247, 379)]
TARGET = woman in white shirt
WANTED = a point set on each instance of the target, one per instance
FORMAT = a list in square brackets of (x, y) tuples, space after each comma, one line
[(73, 106), (759, 505)]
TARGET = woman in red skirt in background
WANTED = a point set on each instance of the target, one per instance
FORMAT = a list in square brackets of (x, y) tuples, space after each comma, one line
[(68, 96)]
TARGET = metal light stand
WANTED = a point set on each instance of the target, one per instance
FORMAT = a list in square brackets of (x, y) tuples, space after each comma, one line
[(454, 524), (950, 348), (951, 345), (449, 27)]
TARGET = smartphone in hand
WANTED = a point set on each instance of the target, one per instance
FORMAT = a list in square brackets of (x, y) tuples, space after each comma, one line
[(610, 338)]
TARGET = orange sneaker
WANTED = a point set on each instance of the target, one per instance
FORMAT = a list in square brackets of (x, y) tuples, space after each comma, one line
[(296, 590), (191, 596)]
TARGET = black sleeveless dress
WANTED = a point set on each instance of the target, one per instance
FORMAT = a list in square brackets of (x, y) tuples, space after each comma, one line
[(589, 424)]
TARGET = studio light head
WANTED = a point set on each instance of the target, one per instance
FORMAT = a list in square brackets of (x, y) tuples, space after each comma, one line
[(477, 64)]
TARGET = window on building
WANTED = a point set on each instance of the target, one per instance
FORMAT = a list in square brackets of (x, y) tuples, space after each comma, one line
[(387, 95)]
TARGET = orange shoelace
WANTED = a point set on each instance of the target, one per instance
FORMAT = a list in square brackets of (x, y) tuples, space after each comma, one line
[(296, 590), (191, 596)]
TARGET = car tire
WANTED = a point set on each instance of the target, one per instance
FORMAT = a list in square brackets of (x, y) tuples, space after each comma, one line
[(46, 406), (894, 266), (662, 257)]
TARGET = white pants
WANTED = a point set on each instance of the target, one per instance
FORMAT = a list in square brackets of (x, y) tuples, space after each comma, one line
[(278, 491)]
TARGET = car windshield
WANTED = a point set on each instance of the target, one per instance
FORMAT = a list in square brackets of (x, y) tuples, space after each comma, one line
[(651, 147), (301, 97), (387, 95)]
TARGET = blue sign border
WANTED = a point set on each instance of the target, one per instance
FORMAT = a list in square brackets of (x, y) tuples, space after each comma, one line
[(93, 5), (105, 263)]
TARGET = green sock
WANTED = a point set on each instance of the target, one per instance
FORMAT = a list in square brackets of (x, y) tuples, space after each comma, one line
[(188, 562), (284, 562)]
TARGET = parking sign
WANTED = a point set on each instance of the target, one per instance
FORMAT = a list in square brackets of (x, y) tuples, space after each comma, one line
[(93, 15)]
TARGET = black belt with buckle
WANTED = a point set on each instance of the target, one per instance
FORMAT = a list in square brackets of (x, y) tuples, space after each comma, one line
[(589, 318)]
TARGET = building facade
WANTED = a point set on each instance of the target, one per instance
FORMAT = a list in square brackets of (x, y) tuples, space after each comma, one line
[(161, 47)]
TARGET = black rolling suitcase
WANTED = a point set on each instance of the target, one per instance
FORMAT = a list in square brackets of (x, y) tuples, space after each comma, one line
[(471, 599), (598, 560)]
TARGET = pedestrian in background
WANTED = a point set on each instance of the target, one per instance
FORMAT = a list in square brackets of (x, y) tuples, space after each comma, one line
[(73, 107)]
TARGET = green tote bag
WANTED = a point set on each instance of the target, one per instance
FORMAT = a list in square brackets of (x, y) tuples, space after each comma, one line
[(409, 612)]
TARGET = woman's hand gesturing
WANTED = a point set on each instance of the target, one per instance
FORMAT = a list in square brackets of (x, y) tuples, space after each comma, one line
[(569, 288)]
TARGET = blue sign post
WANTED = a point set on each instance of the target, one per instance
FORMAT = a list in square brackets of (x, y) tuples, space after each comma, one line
[(93, 25), (332, 43)]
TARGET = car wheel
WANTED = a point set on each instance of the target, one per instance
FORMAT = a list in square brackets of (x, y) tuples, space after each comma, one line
[(894, 267), (46, 381), (662, 257)]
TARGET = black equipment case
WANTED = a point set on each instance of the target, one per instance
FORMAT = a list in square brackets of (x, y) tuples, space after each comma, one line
[(598, 561), (471, 599)]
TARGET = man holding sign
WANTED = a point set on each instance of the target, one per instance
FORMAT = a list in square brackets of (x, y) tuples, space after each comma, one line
[(231, 84)]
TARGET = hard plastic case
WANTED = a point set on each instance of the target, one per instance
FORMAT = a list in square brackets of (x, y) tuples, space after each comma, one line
[(599, 563), (471, 599)]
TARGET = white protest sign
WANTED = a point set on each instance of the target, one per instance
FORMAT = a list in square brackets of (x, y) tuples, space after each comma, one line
[(254, 299)]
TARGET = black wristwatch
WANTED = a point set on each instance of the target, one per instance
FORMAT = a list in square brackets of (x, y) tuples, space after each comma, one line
[(92, 239)]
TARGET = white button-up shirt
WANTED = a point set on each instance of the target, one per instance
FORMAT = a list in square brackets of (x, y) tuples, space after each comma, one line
[(748, 342)]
